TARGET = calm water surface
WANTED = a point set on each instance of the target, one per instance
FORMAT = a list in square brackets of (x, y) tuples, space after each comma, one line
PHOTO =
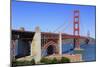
[(89, 53)]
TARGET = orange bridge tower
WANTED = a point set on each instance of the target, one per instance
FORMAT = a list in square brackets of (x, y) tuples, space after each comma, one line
[(76, 28)]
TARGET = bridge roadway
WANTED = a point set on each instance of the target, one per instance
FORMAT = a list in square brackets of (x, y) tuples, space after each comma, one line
[(28, 35)]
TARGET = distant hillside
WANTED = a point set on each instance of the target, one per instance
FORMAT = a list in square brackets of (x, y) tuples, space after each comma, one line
[(92, 41), (82, 41)]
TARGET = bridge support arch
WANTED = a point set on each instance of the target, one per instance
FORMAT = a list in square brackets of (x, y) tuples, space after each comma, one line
[(51, 47)]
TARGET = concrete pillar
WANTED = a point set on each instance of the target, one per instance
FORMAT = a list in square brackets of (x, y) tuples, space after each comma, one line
[(13, 53), (60, 43), (36, 45)]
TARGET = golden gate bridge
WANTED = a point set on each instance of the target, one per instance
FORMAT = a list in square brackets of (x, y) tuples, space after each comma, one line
[(33, 43)]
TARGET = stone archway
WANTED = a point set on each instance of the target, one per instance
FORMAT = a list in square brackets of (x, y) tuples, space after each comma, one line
[(51, 48)]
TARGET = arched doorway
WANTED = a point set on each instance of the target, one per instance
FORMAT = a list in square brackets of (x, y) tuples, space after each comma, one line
[(50, 50)]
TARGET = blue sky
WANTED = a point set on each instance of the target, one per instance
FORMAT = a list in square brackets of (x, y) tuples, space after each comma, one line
[(50, 16)]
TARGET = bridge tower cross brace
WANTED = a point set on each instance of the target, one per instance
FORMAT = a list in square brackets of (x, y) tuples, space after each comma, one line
[(76, 27)]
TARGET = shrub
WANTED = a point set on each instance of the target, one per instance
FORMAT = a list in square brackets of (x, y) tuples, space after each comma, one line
[(45, 60), (33, 61), (49, 61), (54, 61), (65, 60), (22, 63)]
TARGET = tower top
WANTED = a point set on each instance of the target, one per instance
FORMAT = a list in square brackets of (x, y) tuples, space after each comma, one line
[(88, 34), (37, 29), (21, 29)]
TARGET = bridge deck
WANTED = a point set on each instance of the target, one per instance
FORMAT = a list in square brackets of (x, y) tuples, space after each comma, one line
[(28, 35)]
